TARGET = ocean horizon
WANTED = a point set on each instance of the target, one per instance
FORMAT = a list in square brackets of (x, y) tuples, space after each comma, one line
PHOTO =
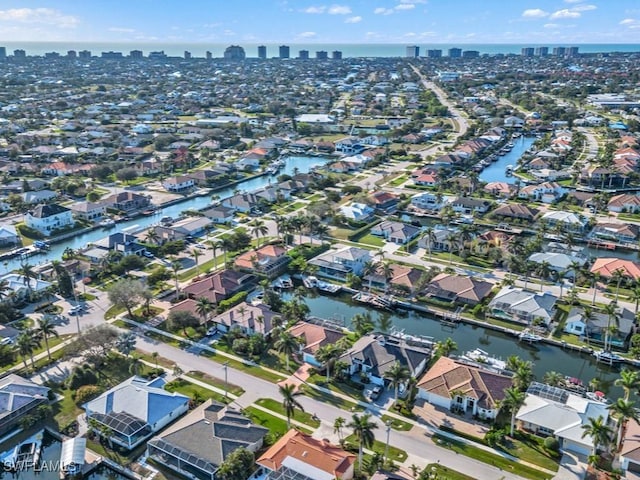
[(349, 50)]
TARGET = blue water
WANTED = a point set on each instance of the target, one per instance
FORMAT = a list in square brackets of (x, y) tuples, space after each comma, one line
[(496, 172), (302, 164)]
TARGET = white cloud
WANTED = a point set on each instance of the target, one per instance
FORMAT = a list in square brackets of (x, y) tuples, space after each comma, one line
[(572, 1), (583, 8), (121, 30), (314, 10), (383, 11), (307, 34), (339, 10), (565, 13), (413, 1), (405, 6), (534, 13), (45, 16), (628, 21), (356, 19), (551, 25)]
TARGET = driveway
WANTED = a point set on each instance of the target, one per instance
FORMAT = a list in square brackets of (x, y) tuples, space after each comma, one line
[(572, 467)]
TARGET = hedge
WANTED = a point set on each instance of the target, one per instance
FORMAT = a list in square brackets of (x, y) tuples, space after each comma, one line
[(225, 305)]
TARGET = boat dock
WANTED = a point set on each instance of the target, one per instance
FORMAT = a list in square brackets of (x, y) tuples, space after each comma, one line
[(377, 301)]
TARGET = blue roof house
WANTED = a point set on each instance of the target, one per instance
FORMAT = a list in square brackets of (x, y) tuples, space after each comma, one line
[(136, 409)]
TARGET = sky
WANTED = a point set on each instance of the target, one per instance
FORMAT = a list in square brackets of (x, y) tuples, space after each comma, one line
[(303, 21)]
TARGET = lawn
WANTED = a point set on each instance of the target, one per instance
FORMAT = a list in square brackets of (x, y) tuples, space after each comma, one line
[(395, 453), (490, 458), (335, 401), (275, 425), (216, 382), (254, 370), (113, 311), (396, 182), (193, 391), (201, 268), (531, 449), (446, 473), (397, 424), (338, 387), (276, 406), (43, 361), (370, 239)]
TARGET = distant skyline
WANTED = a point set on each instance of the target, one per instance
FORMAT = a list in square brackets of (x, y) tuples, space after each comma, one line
[(297, 21)]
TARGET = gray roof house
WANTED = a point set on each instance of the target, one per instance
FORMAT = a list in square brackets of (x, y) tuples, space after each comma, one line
[(338, 263), (595, 327), (396, 232), (558, 262), (18, 396), (519, 305), (136, 409), (197, 444)]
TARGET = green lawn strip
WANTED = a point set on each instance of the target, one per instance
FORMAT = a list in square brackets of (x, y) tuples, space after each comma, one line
[(65, 411), (141, 313), (333, 400), (254, 370), (118, 457), (201, 268), (531, 449), (87, 297), (395, 453), (55, 355), (338, 387), (216, 382), (275, 425), (370, 239), (396, 182), (490, 458), (441, 471), (276, 406), (113, 311), (160, 361), (192, 390), (397, 424)]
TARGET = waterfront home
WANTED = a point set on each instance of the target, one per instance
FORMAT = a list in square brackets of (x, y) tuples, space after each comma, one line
[(136, 409), (19, 397), (349, 146), (469, 205), (297, 455), (384, 202), (373, 355), (269, 260), (402, 277), (197, 444), (490, 239), (220, 214), (518, 305), (498, 189), (625, 202), (178, 184), (464, 387), (247, 318), (220, 285), (427, 201), (20, 287), (551, 411), (594, 328), (568, 221), (607, 266), (616, 231), (558, 262), (458, 288), (8, 235), (40, 196), (241, 202), (89, 211), (312, 337), (127, 201), (629, 455), (205, 177), (440, 239), (121, 242), (547, 192), (396, 232), (340, 261), (516, 211), (192, 226), (46, 219), (513, 122)]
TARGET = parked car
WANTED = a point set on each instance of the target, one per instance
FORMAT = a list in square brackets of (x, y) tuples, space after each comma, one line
[(375, 393), (148, 254)]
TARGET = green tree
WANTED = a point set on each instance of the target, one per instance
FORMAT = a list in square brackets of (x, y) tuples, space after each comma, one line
[(203, 308), (446, 347), (126, 343), (397, 375), (553, 378), (126, 293), (513, 400), (629, 380), (338, 425), (182, 319), (624, 411), (45, 330), (289, 402), (287, 344), (327, 356), (26, 344), (599, 431), (363, 429), (238, 465)]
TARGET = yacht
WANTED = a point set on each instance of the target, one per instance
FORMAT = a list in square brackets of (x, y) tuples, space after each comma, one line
[(607, 356), (528, 336)]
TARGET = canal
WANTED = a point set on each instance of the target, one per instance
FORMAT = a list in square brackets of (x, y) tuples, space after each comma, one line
[(293, 164), (544, 357), (497, 171)]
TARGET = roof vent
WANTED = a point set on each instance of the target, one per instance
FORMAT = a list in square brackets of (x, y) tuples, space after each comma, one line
[(305, 453)]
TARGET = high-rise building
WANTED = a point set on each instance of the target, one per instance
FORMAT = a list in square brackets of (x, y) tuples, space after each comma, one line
[(283, 51), (542, 51), (322, 55), (19, 54), (234, 52), (455, 52), (208, 55), (187, 55), (471, 54), (436, 53), (111, 55), (413, 51), (559, 51), (262, 52), (336, 55), (572, 51), (136, 54), (51, 55), (3, 53), (527, 52), (84, 54), (72, 54), (303, 54), (157, 55)]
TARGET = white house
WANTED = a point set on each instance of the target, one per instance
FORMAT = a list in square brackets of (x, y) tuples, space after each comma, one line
[(427, 201), (89, 210), (516, 304), (48, 218), (8, 235), (17, 284), (464, 387), (359, 212), (547, 192), (178, 184), (339, 262), (570, 221)]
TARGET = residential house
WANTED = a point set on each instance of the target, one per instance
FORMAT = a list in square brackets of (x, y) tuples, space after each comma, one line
[(373, 355), (358, 212), (220, 285), (458, 288), (89, 211), (425, 179), (517, 305), (629, 455), (196, 445), (269, 260), (247, 318), (568, 221), (40, 196), (490, 239), (192, 226), (312, 337), (46, 219), (558, 262), (384, 202), (396, 232), (516, 211), (547, 192), (178, 184), (498, 189), (349, 146), (594, 328), (241, 202), (427, 201), (136, 409), (551, 411), (464, 387), (8, 235), (617, 232), (607, 266), (625, 202), (340, 261), (402, 277), (513, 122), (121, 242), (19, 397), (205, 178), (469, 205), (127, 201), (299, 456), (220, 214), (441, 239)]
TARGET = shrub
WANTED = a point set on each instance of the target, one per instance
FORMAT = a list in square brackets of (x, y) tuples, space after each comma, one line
[(551, 443), (85, 393), (225, 305), (81, 376)]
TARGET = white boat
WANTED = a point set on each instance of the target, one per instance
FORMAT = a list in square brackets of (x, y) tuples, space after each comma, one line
[(328, 287), (310, 282), (283, 282), (509, 169), (107, 223), (606, 356), (480, 356), (528, 336), (597, 396), (24, 455)]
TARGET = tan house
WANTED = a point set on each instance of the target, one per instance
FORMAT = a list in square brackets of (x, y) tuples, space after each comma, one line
[(459, 288)]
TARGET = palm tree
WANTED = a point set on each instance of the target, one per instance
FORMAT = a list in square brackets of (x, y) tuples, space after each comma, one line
[(321, 230), (446, 347), (176, 266), (26, 344), (195, 253), (387, 273), (258, 228), (226, 245), (612, 315), (27, 273), (523, 376), (599, 431), (513, 400), (289, 402), (397, 375), (135, 365), (384, 323), (338, 425), (543, 270), (624, 410), (430, 238), (368, 270), (4, 289), (126, 343), (363, 429), (46, 329), (595, 276), (634, 296), (452, 241), (629, 380), (553, 378), (152, 236), (560, 275), (618, 276), (327, 355), (203, 308), (287, 344)]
